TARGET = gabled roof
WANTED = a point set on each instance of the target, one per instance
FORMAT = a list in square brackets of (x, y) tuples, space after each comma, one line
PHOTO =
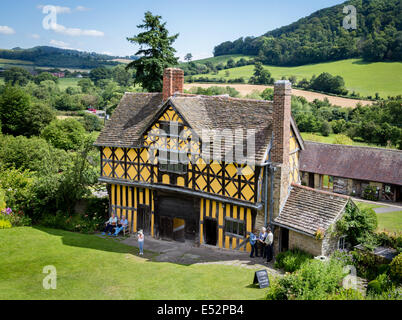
[(361, 163), (306, 210), (138, 111), (131, 116)]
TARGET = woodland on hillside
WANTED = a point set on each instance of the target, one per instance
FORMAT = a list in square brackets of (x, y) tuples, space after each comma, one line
[(321, 37)]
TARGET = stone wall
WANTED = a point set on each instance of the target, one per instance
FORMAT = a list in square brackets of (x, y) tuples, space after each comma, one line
[(305, 243)]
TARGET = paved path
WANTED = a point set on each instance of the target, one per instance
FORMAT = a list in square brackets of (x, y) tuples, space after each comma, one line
[(387, 209), (187, 253), (385, 206)]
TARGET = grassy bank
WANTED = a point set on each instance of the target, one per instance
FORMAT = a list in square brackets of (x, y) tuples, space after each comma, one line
[(364, 78), (89, 267)]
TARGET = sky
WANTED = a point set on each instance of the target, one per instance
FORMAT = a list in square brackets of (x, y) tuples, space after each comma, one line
[(102, 26)]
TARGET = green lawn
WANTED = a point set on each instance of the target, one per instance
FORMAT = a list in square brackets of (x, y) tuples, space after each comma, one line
[(391, 221), (331, 138), (89, 267), (364, 78), (64, 83)]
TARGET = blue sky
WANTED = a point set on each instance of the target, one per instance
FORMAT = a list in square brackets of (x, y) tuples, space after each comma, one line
[(102, 26)]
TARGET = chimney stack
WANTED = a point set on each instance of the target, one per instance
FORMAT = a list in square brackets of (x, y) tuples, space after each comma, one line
[(281, 121), (173, 82)]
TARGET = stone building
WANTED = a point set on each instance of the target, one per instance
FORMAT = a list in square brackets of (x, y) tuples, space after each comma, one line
[(349, 170), (207, 169)]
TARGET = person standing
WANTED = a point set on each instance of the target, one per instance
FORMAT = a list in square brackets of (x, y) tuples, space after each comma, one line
[(141, 242), (261, 242), (269, 241), (253, 243)]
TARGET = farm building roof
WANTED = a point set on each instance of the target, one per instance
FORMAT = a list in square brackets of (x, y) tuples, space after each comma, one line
[(137, 111), (308, 210), (354, 162)]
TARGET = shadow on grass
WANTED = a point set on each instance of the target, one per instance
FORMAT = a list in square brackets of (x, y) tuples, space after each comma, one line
[(89, 241)]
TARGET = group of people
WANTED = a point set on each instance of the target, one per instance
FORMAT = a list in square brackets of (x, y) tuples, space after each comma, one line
[(263, 244), (115, 224), (118, 226)]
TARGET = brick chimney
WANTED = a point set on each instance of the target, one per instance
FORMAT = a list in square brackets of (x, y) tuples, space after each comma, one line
[(281, 121), (280, 149), (173, 81)]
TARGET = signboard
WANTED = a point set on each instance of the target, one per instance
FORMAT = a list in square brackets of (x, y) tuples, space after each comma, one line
[(261, 277)]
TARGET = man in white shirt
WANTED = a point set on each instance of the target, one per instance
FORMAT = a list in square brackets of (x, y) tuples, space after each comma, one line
[(110, 224), (269, 241)]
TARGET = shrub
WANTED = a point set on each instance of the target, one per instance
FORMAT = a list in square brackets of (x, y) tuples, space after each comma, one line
[(18, 188), (370, 193), (73, 223), (315, 280), (342, 139), (347, 294), (66, 134), (5, 224), (17, 219), (380, 284), (396, 268), (358, 225), (291, 261), (390, 239), (326, 129)]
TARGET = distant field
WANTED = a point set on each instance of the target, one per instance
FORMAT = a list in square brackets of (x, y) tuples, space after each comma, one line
[(224, 59), (331, 138), (64, 83), (364, 78), (9, 61)]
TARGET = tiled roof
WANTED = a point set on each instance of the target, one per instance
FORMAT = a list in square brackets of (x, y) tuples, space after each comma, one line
[(361, 163), (131, 116), (136, 112), (308, 210)]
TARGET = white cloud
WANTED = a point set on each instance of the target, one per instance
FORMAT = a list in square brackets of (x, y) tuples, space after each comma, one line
[(81, 8), (58, 43), (63, 45), (35, 36), (75, 32), (6, 30)]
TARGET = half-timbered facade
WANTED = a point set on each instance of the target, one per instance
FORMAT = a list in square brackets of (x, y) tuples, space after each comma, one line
[(198, 167)]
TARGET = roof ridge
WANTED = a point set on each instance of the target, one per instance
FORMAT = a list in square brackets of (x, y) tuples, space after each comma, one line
[(352, 146), (321, 191), (191, 95)]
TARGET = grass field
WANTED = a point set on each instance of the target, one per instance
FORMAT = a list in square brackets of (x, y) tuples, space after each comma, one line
[(364, 78), (89, 267), (331, 138), (224, 59), (390, 221), (64, 83), (10, 61)]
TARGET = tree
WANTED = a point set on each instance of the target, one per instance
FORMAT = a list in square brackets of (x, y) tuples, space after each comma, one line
[(325, 82), (37, 117), (98, 74), (14, 105), (17, 75), (188, 57), (122, 76), (66, 134), (156, 53), (261, 76), (86, 85), (45, 76)]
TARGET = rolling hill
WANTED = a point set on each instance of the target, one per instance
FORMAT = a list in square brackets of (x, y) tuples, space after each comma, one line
[(321, 36), (44, 56), (364, 78)]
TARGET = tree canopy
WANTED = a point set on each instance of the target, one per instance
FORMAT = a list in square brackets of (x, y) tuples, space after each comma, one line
[(156, 53)]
